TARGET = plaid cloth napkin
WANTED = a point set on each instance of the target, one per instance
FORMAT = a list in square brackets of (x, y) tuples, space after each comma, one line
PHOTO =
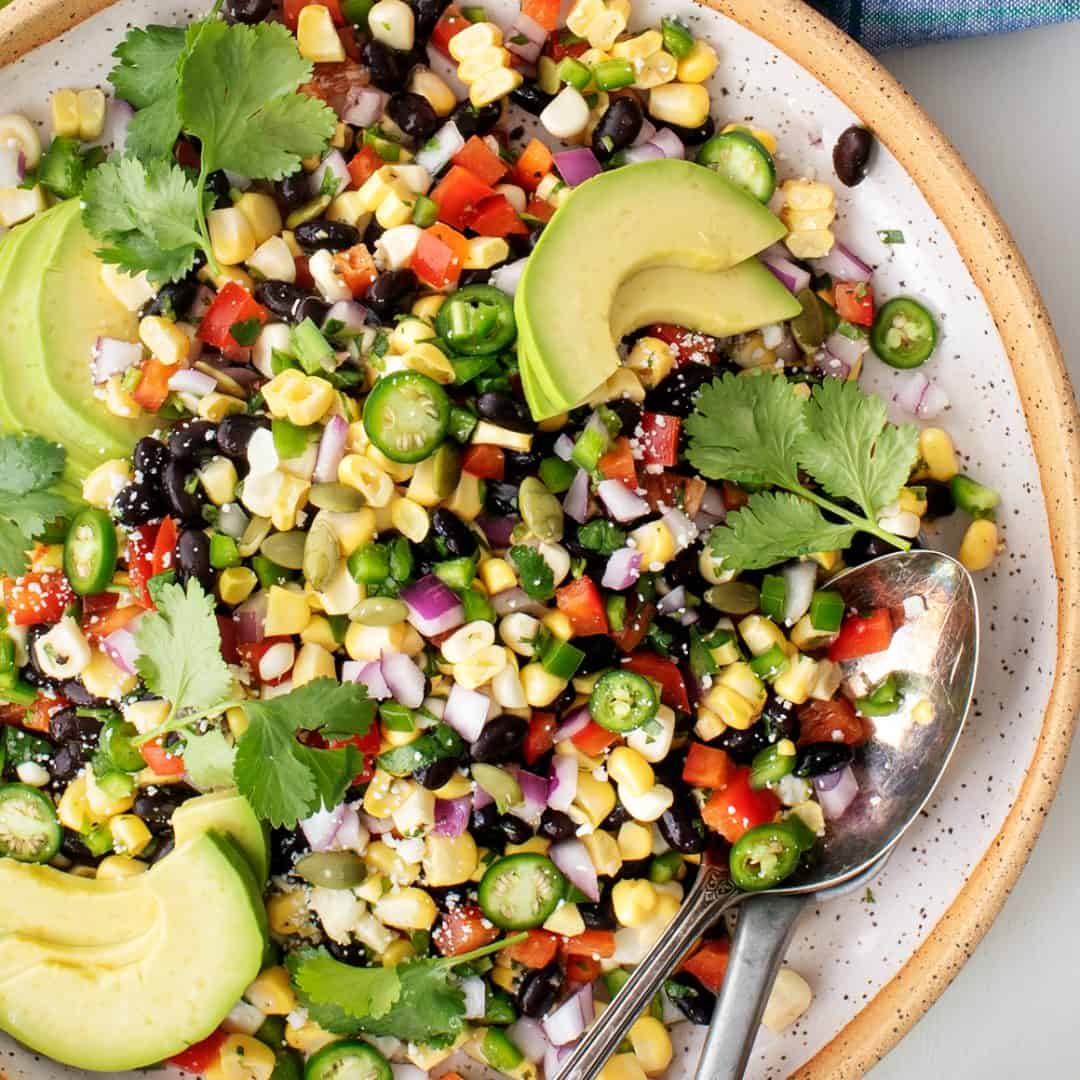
[(886, 24)]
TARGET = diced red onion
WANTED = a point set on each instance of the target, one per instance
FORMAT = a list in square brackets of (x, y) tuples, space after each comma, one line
[(622, 570), (562, 784), (377, 826), (577, 165), (497, 530), (204, 298), (576, 499), (466, 712), (111, 356), (351, 314), (250, 619), (836, 791), (516, 599), (403, 1071), (506, 277), (321, 828), (452, 816), (364, 106), (622, 503), (842, 264), (433, 606), (527, 27), (121, 649), (572, 858), (564, 447), (534, 792), (934, 402), (690, 616), (793, 278), (118, 115), (569, 1021), (648, 151), (331, 450), (829, 365), (334, 164), (674, 600), (440, 148), (481, 798), (190, 381), (12, 166), (648, 130), (578, 720), (369, 674), (847, 350), (917, 395), (553, 1060), (801, 577), (351, 835), (406, 681), (669, 143), (528, 1036), (475, 991), (788, 350), (682, 528), (712, 502)]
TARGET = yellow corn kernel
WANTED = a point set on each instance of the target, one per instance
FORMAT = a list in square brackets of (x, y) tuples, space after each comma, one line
[(466, 501), (287, 611), (288, 501), (119, 866), (271, 992), (64, 107), (236, 584), (406, 909), (231, 236), (457, 787), (761, 634), (813, 243), (622, 1067), (370, 642), (481, 667), (651, 1043), (361, 473), (431, 361), (312, 662), (979, 546), (540, 686), (730, 707), (427, 307), (308, 1038), (605, 27), (381, 799), (317, 37), (237, 720), (634, 901), (480, 35), (485, 252), (652, 359), (566, 920), (281, 390), (494, 86), (789, 999), (938, 453), (685, 104), (216, 406), (164, 339), (399, 471), (449, 860), (481, 62), (635, 841), (72, 810), (603, 850), (410, 519), (656, 70), (262, 214), (547, 77), (627, 766), (317, 400), (287, 912), (698, 64), (242, 1057), (427, 84), (375, 188), (102, 678), (319, 632), (558, 622), (623, 384), (639, 47), (144, 716), (228, 273), (103, 484), (410, 332), (219, 479), (497, 575), (395, 209), (808, 195), (766, 138), (655, 542), (595, 798), (129, 834), (352, 529), (349, 207), (118, 401)]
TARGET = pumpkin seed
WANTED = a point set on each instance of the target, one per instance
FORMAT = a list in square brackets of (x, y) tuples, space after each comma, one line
[(285, 548), (258, 529), (322, 555), (540, 510), (337, 498), (379, 611), (733, 597), (332, 869)]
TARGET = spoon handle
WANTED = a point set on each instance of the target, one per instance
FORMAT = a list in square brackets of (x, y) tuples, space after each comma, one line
[(762, 934), (712, 894)]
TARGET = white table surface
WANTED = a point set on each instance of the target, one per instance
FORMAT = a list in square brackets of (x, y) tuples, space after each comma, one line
[(1010, 106)]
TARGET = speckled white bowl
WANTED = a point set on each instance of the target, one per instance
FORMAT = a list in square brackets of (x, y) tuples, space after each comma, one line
[(875, 961)]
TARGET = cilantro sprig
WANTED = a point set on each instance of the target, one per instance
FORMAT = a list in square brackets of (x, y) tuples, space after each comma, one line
[(536, 576), (757, 431), (231, 86), (29, 466)]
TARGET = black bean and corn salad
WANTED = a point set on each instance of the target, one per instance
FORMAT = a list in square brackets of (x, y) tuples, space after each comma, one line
[(495, 684)]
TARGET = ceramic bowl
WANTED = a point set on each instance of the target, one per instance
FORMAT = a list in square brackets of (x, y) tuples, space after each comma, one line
[(875, 961)]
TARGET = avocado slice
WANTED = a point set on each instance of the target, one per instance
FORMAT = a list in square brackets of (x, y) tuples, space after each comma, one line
[(55, 308), (655, 213), (229, 814), (142, 966)]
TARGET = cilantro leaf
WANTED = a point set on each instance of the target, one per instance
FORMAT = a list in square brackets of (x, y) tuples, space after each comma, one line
[(246, 331), (181, 651), (602, 536), (362, 992), (851, 449), (13, 548), (147, 76), (237, 95), (746, 429), (208, 759), (536, 576), (28, 465), (775, 526)]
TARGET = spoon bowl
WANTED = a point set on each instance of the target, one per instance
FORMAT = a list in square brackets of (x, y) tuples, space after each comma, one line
[(934, 655)]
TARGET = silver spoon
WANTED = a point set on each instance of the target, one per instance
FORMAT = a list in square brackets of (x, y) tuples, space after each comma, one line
[(936, 650)]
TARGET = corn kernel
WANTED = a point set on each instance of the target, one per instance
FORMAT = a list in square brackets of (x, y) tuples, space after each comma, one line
[(725, 705), (480, 35), (410, 332), (312, 662), (766, 138), (317, 37), (410, 519), (685, 104), (622, 1067), (540, 686), (271, 992), (938, 453), (72, 810), (242, 1057), (287, 611), (627, 766), (449, 860), (216, 406), (559, 624), (309, 1037), (655, 542), (427, 84), (91, 104), (104, 483), (656, 70), (651, 1043), (406, 909), (485, 252), (118, 401), (639, 47), (130, 834), (652, 359), (397, 952), (360, 472), (231, 235), (115, 867), (698, 64), (979, 546), (64, 106), (392, 22), (262, 214), (603, 850), (635, 841), (494, 86), (789, 999), (236, 584), (431, 361), (497, 575), (287, 913), (595, 798), (102, 678)]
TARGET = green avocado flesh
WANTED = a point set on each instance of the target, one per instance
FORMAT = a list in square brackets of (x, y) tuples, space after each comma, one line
[(55, 307), (653, 214), (229, 814), (140, 968)]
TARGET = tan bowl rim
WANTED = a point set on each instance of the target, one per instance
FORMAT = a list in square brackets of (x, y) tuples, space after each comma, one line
[(999, 271)]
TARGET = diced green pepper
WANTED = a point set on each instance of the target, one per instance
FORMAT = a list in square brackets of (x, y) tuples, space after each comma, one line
[(826, 611)]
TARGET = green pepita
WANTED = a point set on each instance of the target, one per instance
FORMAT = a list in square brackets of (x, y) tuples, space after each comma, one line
[(322, 554), (733, 597), (540, 510), (332, 869), (285, 548), (379, 611), (258, 529), (337, 498)]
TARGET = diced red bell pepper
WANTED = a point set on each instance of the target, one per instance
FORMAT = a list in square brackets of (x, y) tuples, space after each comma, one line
[(227, 631), (364, 164), (458, 194), (140, 561), (639, 617), (37, 597), (486, 461), (462, 929), (592, 740), (737, 808), (666, 673), (861, 635), (440, 256), (855, 302), (708, 963), (102, 614), (566, 43), (536, 951), (356, 268), (153, 385), (290, 12), (304, 280), (540, 737), (659, 439), (706, 767), (496, 216), (668, 489), (40, 713), (580, 970), (198, 1057), (689, 346), (232, 305), (535, 162), (368, 744), (252, 652), (347, 37), (618, 463), (543, 12), (582, 604), (594, 943), (163, 557), (539, 209), (450, 24), (735, 497), (161, 760), (481, 160)]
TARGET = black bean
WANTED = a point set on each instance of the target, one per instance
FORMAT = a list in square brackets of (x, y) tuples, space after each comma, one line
[(474, 277), (522, 246), (555, 825), (459, 539), (354, 954), (742, 745), (414, 115), (501, 498), (539, 990), (372, 233), (600, 652), (851, 155), (618, 127), (427, 14), (391, 293), (164, 844), (437, 774), (155, 805), (193, 441), (77, 694), (320, 233), (65, 725), (448, 897), (73, 846), (676, 394), (619, 816), (149, 459), (692, 136), (691, 998), (484, 826), (34, 674), (865, 547), (514, 829), (470, 120), (136, 504), (247, 11), (628, 412), (681, 825), (780, 720), (234, 433), (517, 464), (283, 298), (823, 757), (181, 502), (683, 570), (599, 915), (939, 500), (531, 98), (294, 190), (504, 410), (500, 739), (384, 64), (69, 759), (218, 183), (286, 847), (173, 299), (193, 558)]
